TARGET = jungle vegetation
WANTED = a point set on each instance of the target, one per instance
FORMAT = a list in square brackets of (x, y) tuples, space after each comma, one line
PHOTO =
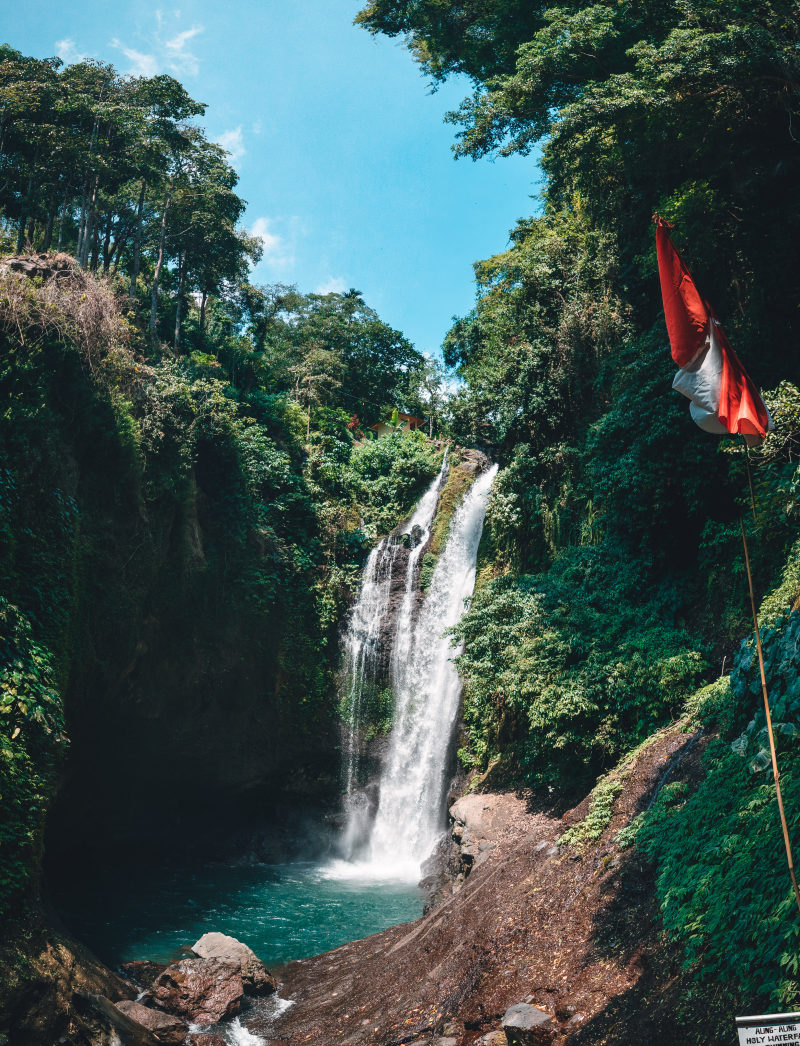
[(611, 582)]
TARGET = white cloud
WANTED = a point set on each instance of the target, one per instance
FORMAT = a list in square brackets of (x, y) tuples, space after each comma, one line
[(67, 50), (233, 142), (141, 64), (180, 59), (279, 254), (333, 285), (270, 240), (165, 53)]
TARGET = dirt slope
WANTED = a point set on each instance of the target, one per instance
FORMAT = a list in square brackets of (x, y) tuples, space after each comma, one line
[(576, 933)]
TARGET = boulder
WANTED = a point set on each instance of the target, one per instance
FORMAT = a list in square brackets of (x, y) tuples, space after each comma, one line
[(527, 1025), (100, 1021), (199, 1039), (493, 1038), (142, 972), (256, 978), (202, 991), (165, 1026)]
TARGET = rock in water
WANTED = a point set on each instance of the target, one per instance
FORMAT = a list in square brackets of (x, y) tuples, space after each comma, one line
[(526, 1025), (165, 1026), (256, 978), (202, 991), (142, 972), (199, 1039)]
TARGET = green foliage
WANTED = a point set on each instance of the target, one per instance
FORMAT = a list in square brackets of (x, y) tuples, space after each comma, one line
[(565, 671), (389, 474), (604, 795), (179, 541), (376, 709), (32, 745), (426, 569), (614, 524), (721, 867)]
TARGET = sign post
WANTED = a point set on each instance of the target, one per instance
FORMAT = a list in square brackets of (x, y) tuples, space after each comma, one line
[(769, 1029)]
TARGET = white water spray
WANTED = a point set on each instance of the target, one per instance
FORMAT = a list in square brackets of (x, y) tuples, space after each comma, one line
[(362, 642), (410, 814)]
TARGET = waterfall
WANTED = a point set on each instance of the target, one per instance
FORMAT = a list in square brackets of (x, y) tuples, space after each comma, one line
[(410, 814), (410, 808), (362, 641)]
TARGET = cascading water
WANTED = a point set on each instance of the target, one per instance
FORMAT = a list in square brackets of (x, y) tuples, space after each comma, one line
[(427, 692), (410, 810), (362, 642)]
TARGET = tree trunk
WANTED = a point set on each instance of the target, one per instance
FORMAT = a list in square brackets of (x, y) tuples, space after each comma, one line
[(23, 218), (159, 263), (90, 226), (179, 304), (203, 300), (95, 245), (61, 218), (107, 245), (137, 242), (51, 219)]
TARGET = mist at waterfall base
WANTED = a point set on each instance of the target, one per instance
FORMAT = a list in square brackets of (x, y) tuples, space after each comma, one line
[(395, 839), (291, 909)]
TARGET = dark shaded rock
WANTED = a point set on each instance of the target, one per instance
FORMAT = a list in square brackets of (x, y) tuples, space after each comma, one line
[(256, 978), (38, 978), (102, 1022), (527, 1025), (142, 972), (202, 991), (165, 1026)]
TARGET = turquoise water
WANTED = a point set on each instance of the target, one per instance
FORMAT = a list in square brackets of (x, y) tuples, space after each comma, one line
[(283, 912)]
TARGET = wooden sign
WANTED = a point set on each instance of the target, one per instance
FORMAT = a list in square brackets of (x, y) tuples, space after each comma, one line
[(769, 1029)]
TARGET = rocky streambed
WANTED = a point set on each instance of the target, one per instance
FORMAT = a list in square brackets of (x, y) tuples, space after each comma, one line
[(531, 940)]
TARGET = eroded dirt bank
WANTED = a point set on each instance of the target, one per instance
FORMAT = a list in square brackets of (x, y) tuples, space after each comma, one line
[(574, 931)]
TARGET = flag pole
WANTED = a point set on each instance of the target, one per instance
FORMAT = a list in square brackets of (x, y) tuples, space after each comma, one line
[(784, 825)]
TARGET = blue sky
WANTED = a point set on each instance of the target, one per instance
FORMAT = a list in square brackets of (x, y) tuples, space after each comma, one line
[(339, 142)]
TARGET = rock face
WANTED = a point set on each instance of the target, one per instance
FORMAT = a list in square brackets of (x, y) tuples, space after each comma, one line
[(527, 1025), (200, 990), (102, 1022), (256, 978), (142, 972), (165, 1026)]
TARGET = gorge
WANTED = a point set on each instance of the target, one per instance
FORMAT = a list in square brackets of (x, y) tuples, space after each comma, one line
[(426, 670)]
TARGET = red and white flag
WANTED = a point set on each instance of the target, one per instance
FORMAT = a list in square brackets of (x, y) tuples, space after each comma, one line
[(723, 398)]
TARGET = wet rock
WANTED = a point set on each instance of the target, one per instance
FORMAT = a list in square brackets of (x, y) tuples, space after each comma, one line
[(142, 972), (165, 1026), (256, 978), (202, 991), (101, 1022), (527, 1025), (199, 1039)]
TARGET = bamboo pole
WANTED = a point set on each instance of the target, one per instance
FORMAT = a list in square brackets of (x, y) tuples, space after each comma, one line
[(784, 825)]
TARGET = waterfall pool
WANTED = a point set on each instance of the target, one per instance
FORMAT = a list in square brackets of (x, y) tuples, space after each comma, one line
[(282, 911)]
